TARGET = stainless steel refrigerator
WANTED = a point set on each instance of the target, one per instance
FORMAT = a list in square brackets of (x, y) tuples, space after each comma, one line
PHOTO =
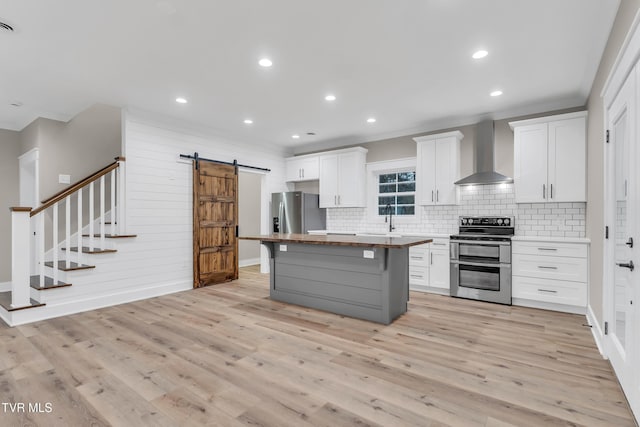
[(297, 212)]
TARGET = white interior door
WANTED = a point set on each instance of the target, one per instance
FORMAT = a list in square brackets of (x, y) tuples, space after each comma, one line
[(621, 249)]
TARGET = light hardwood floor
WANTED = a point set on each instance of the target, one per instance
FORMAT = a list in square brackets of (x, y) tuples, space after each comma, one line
[(227, 355)]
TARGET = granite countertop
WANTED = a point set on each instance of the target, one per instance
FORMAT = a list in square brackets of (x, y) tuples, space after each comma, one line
[(398, 233), (341, 240)]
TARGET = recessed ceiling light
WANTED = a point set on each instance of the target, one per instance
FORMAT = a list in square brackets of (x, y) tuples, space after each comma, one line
[(181, 100), (496, 93), (248, 121), (265, 62), (295, 136), (330, 98), (480, 54), (371, 120)]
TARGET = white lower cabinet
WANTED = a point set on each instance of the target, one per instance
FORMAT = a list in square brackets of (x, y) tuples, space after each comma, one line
[(551, 275), (429, 267)]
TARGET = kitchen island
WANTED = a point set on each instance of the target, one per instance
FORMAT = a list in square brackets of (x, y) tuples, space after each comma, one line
[(366, 277)]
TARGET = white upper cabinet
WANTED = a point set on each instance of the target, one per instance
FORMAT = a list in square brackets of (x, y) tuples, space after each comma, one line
[(342, 178), (437, 168), (550, 159), (303, 168)]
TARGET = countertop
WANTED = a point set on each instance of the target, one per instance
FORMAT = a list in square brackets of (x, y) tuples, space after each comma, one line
[(342, 240), (395, 233), (582, 240)]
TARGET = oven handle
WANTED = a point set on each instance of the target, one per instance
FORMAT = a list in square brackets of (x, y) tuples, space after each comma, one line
[(482, 242), (480, 264)]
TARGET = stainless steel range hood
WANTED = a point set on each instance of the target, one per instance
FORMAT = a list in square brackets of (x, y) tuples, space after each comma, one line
[(485, 159)]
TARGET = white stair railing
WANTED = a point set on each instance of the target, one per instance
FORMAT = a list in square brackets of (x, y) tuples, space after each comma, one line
[(23, 266)]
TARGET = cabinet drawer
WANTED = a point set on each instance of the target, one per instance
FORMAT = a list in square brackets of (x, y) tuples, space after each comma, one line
[(550, 267), (439, 244), (419, 255), (574, 250), (553, 291), (418, 276)]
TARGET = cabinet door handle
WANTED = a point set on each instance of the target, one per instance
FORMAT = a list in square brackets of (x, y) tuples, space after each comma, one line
[(551, 291), (416, 257), (339, 201), (551, 191), (547, 249), (547, 267), (432, 195), (335, 200), (431, 260), (544, 191), (437, 196), (438, 244), (416, 276)]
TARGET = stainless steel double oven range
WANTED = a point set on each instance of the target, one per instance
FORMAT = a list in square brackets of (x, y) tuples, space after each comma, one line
[(480, 256)]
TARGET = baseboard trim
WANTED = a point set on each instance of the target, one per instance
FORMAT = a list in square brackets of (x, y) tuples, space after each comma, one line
[(548, 306), (5, 286), (596, 330), (248, 262), (101, 301)]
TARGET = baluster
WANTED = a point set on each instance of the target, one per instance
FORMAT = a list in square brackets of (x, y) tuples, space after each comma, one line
[(91, 216), (102, 245), (67, 230), (79, 239), (121, 196), (113, 202), (55, 242), (40, 243)]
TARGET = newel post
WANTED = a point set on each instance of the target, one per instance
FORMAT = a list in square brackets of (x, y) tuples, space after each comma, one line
[(122, 196), (20, 257)]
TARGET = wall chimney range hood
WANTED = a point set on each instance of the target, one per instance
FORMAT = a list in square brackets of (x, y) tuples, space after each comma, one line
[(485, 159)]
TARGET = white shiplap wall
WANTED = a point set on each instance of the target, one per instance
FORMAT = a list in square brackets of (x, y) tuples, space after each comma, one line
[(159, 186)]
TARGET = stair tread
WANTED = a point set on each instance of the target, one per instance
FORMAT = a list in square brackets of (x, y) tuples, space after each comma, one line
[(85, 250), (112, 236), (5, 302), (48, 283), (62, 265)]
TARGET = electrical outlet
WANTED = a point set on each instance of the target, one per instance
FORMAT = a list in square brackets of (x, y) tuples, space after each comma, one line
[(64, 179)]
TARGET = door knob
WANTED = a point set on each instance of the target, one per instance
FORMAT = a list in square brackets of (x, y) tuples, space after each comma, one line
[(629, 242), (628, 265)]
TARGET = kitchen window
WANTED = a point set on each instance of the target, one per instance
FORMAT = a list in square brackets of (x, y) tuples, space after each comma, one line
[(397, 193)]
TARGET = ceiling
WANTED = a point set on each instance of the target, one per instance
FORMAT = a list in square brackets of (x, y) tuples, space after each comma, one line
[(405, 62)]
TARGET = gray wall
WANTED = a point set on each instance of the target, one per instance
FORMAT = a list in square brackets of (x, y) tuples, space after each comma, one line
[(85, 144), (595, 158), (9, 195), (249, 189)]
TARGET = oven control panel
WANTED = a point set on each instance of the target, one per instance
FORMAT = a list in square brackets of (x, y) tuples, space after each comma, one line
[(492, 221)]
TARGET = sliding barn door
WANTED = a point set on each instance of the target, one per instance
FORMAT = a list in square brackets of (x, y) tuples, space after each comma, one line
[(215, 216)]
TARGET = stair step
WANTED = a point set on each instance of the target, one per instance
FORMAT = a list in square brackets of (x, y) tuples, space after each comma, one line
[(86, 250), (62, 265), (5, 302), (112, 236), (48, 283)]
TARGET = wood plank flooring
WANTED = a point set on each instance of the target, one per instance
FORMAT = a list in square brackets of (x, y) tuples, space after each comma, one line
[(227, 355)]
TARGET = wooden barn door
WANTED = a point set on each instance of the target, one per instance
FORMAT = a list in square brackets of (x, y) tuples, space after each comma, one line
[(215, 216)]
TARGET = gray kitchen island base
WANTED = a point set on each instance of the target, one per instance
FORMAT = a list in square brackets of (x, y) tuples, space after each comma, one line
[(365, 283)]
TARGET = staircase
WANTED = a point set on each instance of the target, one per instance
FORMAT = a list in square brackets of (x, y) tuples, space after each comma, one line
[(60, 245)]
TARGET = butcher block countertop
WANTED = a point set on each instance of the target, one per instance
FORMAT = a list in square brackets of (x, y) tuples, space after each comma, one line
[(341, 240)]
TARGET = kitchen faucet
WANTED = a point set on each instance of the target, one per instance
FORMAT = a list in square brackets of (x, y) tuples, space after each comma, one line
[(389, 211)]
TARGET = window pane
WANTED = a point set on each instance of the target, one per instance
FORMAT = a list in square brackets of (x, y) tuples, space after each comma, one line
[(387, 188), (389, 177), (382, 210), (407, 186), (406, 210), (386, 200), (406, 200), (406, 176)]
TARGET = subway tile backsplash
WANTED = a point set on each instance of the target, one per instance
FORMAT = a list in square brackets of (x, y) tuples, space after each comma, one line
[(532, 219)]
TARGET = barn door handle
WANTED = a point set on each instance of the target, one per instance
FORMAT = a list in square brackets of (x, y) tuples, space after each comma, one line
[(630, 242), (628, 265)]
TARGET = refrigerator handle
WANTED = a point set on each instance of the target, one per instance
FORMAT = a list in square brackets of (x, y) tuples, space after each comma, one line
[(280, 214)]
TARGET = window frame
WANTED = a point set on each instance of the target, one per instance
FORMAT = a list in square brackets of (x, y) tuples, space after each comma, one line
[(374, 170)]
